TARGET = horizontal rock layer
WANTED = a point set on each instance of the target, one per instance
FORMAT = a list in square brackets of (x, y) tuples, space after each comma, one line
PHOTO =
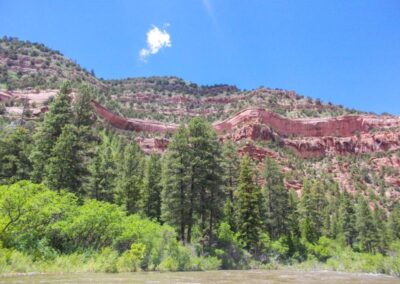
[(306, 137)]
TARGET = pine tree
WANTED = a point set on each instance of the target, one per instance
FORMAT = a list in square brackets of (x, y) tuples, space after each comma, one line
[(82, 107), (394, 223), (312, 208), (65, 166), (382, 233), (248, 206), (331, 224), (103, 169), (206, 179), (293, 215), (14, 153), (230, 165), (215, 192), (176, 194), (152, 187), (347, 219), (130, 178), (367, 234), (276, 199), (59, 115)]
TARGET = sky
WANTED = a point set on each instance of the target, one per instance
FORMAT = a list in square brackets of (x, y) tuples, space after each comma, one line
[(345, 52)]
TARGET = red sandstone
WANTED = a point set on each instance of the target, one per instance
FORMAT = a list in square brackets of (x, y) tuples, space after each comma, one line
[(307, 137)]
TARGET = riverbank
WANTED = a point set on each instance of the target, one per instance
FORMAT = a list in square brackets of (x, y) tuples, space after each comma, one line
[(228, 276)]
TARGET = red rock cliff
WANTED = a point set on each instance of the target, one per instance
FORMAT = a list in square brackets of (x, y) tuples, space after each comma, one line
[(307, 137)]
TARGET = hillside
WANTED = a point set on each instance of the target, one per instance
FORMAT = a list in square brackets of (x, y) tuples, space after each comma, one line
[(160, 173), (172, 99), (307, 137), (33, 66), (24, 64)]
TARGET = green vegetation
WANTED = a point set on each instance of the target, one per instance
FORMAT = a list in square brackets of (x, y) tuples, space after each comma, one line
[(27, 65), (47, 68), (44, 230), (77, 196)]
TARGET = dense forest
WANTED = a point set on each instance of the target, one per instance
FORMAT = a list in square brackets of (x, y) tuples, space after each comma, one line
[(79, 196)]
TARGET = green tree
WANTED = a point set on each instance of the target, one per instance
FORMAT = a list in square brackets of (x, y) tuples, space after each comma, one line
[(230, 165), (312, 207), (347, 219), (206, 192), (130, 178), (176, 182), (103, 169), (2, 109), (65, 167), (248, 206), (394, 222), (49, 130), (293, 215), (152, 187), (27, 212), (14, 155), (276, 198), (82, 107), (381, 226), (367, 234)]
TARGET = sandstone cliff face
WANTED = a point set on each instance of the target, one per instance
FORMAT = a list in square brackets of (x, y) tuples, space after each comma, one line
[(306, 137), (343, 126), (131, 124)]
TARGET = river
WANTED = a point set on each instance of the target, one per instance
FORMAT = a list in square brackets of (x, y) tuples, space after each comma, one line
[(227, 276)]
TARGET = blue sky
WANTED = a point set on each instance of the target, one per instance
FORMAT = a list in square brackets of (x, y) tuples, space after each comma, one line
[(346, 52)]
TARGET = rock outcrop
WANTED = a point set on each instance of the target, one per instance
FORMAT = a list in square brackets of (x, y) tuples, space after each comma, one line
[(306, 137), (343, 126), (132, 124)]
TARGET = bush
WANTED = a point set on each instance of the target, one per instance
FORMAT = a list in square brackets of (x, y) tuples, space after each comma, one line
[(43, 230), (324, 248), (93, 225), (2, 108), (229, 250)]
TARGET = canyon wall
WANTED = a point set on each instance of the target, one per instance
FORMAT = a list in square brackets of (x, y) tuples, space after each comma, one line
[(307, 137)]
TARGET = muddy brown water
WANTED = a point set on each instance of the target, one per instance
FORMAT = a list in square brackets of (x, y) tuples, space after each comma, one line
[(234, 277)]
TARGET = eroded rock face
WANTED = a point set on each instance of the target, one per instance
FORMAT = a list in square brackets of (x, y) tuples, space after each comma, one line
[(132, 124), (306, 137), (364, 143), (152, 145), (343, 126), (257, 153)]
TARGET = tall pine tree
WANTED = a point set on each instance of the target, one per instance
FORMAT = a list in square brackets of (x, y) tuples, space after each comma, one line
[(394, 222), (206, 192), (230, 165), (248, 206), (64, 169), (176, 193), (130, 178), (15, 146), (347, 219), (312, 208), (59, 115), (103, 169), (276, 199), (152, 187), (367, 234)]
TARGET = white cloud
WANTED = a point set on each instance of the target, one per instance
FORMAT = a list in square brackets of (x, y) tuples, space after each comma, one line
[(156, 40)]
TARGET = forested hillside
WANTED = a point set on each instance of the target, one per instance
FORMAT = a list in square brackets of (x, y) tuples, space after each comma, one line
[(200, 193), (77, 194)]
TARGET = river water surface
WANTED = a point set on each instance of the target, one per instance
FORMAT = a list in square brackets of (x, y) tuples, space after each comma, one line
[(235, 277)]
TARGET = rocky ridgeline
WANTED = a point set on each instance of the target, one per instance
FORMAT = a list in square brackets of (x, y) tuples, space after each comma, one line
[(252, 128), (307, 137)]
